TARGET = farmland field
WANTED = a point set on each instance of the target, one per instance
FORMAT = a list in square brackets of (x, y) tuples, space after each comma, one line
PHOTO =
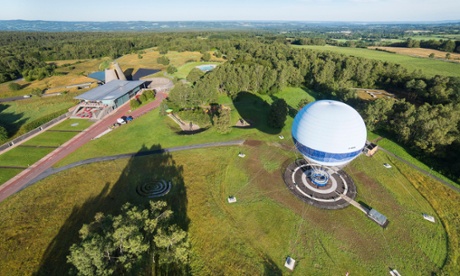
[(427, 66), (420, 52)]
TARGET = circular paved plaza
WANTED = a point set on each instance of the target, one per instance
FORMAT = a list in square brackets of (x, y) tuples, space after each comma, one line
[(327, 196)]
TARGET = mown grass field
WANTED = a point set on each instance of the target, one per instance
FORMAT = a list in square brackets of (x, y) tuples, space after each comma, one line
[(252, 236), (25, 156), (427, 66)]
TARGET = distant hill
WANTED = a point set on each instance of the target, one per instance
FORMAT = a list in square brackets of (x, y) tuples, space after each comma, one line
[(93, 26)]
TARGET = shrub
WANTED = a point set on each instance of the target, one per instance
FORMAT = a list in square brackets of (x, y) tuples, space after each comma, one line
[(14, 86), (149, 94), (171, 69), (163, 60), (143, 98), (40, 121), (134, 103)]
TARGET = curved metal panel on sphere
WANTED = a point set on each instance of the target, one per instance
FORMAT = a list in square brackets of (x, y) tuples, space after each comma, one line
[(329, 133)]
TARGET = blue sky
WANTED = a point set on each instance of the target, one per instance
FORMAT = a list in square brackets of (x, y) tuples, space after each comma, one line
[(182, 10)]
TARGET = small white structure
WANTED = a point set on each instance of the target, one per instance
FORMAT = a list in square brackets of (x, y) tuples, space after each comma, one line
[(428, 217), (281, 137), (386, 165), (231, 199), (290, 263), (394, 272), (242, 155)]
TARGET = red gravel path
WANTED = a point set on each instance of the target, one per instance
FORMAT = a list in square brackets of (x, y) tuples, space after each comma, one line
[(19, 181)]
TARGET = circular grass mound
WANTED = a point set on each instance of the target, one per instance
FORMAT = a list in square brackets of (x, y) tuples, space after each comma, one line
[(154, 189)]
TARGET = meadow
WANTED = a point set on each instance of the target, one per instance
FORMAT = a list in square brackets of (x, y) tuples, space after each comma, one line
[(429, 67), (252, 236)]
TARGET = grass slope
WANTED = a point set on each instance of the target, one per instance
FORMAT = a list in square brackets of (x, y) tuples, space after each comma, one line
[(427, 66), (252, 236)]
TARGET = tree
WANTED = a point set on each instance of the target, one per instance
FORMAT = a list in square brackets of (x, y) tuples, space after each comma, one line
[(163, 60), (134, 103), (171, 69), (123, 244), (206, 56), (143, 98), (14, 86), (182, 95), (277, 113), (194, 75), (223, 122), (302, 103)]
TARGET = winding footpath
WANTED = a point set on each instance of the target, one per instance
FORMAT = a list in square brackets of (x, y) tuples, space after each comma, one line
[(21, 180)]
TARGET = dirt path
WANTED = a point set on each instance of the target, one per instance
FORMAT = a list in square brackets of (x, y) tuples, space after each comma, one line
[(16, 183)]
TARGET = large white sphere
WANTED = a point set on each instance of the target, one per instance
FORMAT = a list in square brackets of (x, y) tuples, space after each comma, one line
[(329, 133)]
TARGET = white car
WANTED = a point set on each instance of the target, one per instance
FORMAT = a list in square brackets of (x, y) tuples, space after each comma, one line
[(121, 121), (386, 165)]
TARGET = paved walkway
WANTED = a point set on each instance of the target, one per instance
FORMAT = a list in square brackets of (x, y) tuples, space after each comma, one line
[(52, 171), (17, 183)]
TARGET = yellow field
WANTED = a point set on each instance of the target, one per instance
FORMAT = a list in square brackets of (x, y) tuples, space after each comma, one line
[(76, 72), (420, 52)]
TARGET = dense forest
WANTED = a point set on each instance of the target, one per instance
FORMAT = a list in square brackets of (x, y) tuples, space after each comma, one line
[(425, 118)]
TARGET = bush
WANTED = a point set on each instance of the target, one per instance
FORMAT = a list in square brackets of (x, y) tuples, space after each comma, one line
[(206, 57), (143, 98), (196, 116), (40, 121), (134, 103), (14, 86), (163, 60), (171, 69), (150, 94)]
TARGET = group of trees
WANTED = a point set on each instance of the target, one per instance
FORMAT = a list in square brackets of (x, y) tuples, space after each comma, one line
[(126, 243), (146, 96), (446, 45)]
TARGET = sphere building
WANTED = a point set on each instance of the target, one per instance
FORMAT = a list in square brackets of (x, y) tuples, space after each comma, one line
[(329, 133)]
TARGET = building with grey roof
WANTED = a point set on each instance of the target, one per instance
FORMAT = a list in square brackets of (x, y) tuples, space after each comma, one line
[(100, 101)]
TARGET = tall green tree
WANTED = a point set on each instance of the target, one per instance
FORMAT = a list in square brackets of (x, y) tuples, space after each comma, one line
[(125, 244)]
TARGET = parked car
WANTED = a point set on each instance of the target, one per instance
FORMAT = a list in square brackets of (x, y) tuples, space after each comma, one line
[(121, 121)]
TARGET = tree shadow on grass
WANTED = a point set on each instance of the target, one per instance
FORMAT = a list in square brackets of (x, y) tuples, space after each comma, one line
[(270, 267), (147, 166), (12, 122), (254, 110)]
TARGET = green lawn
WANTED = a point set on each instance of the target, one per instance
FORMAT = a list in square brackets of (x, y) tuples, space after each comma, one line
[(49, 138), (428, 66), (23, 156), (73, 124), (7, 174)]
